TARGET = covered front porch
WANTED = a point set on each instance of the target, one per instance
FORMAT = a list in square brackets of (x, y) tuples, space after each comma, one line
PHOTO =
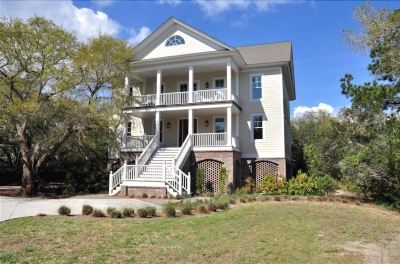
[(216, 128)]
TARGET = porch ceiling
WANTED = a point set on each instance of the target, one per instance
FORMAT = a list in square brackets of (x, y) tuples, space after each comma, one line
[(184, 113), (183, 70)]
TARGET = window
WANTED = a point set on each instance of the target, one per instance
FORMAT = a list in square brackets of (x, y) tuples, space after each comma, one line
[(256, 91), (174, 40), (130, 91), (219, 125), (128, 129), (219, 83), (257, 121)]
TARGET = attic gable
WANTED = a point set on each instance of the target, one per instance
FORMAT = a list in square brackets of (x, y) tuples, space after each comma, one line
[(195, 41)]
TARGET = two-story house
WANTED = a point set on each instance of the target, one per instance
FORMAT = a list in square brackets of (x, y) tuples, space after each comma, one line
[(199, 105)]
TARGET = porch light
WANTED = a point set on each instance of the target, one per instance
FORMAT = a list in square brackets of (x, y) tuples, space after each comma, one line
[(168, 125), (207, 85), (206, 123)]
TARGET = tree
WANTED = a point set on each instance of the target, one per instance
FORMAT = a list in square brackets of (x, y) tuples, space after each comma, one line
[(45, 75)]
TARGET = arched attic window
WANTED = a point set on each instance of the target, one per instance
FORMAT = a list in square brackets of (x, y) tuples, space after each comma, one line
[(174, 40)]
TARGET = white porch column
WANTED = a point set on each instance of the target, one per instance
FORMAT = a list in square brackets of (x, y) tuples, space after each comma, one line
[(158, 87), (127, 84), (190, 121), (157, 125), (229, 80), (237, 80), (190, 84), (237, 125), (229, 126)]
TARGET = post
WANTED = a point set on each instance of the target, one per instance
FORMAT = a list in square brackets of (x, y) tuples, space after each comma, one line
[(127, 85), (237, 79), (190, 122), (228, 80), (164, 171), (190, 84), (123, 178), (110, 187), (180, 183), (189, 187), (229, 126), (157, 125), (158, 88)]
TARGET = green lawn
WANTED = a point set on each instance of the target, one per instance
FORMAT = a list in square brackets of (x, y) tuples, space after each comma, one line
[(271, 232)]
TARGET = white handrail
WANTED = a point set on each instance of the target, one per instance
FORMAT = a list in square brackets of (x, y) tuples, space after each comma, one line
[(209, 139), (210, 95), (178, 180), (137, 142), (116, 178), (145, 100), (183, 152), (148, 151), (174, 98)]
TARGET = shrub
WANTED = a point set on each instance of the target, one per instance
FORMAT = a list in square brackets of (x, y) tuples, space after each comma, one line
[(251, 198), (199, 180), (263, 198), (223, 177), (87, 209), (142, 213), (310, 198), (212, 207), (322, 199), (110, 210), (116, 214), (145, 195), (64, 210), (186, 208), (232, 201), (326, 184), (248, 187), (169, 210), (302, 184), (128, 212), (151, 211), (98, 213), (277, 198), (242, 200), (295, 198), (358, 203), (272, 184), (222, 205)]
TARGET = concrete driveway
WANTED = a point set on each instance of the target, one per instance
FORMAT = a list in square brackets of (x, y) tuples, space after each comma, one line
[(12, 207)]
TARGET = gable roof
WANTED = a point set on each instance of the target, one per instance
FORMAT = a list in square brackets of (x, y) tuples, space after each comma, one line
[(171, 23)]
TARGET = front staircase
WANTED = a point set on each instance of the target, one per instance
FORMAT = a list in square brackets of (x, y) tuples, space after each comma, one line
[(156, 167)]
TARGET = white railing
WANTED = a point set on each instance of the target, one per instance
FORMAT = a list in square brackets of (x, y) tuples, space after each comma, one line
[(144, 173), (235, 142), (211, 95), (209, 139), (137, 142), (148, 151), (235, 98), (174, 98), (178, 180), (145, 100), (116, 178), (183, 153)]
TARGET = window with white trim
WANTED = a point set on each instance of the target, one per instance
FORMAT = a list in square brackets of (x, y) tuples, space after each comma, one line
[(128, 129), (219, 125), (257, 124), (219, 83), (256, 89)]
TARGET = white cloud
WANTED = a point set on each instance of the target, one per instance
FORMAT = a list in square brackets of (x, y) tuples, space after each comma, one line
[(171, 2), (215, 7), (103, 3), (301, 110), (137, 37), (83, 21)]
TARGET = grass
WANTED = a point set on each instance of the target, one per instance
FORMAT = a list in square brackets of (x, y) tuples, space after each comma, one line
[(271, 232)]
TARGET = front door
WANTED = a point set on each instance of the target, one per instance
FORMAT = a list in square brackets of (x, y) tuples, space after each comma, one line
[(183, 129)]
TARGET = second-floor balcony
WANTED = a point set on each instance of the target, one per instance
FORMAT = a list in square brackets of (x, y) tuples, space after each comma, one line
[(180, 98)]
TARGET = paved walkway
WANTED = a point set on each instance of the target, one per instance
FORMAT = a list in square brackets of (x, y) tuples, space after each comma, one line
[(14, 207)]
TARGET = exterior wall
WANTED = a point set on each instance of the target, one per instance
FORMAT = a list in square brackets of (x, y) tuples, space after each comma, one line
[(192, 45), (139, 191), (271, 106)]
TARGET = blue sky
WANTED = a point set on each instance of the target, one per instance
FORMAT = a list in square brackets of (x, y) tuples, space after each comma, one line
[(315, 28)]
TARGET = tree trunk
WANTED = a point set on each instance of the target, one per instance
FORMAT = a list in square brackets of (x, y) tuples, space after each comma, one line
[(28, 177)]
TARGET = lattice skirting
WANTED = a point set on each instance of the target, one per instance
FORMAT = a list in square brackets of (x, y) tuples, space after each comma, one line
[(259, 169), (211, 170)]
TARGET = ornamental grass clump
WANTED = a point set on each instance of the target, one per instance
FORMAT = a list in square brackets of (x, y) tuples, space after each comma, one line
[(202, 209), (87, 209), (212, 207), (277, 198), (64, 210), (242, 200), (128, 212), (142, 213), (186, 208), (169, 210), (232, 201), (110, 210), (151, 211), (98, 213), (116, 214)]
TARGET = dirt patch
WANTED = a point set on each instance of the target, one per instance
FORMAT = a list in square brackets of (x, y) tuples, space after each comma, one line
[(377, 253)]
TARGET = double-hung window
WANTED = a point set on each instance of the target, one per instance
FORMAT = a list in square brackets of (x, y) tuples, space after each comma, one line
[(219, 83), (256, 90), (257, 124), (129, 129)]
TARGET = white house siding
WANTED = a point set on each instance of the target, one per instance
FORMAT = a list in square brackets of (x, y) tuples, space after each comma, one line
[(192, 45), (286, 109), (271, 106)]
